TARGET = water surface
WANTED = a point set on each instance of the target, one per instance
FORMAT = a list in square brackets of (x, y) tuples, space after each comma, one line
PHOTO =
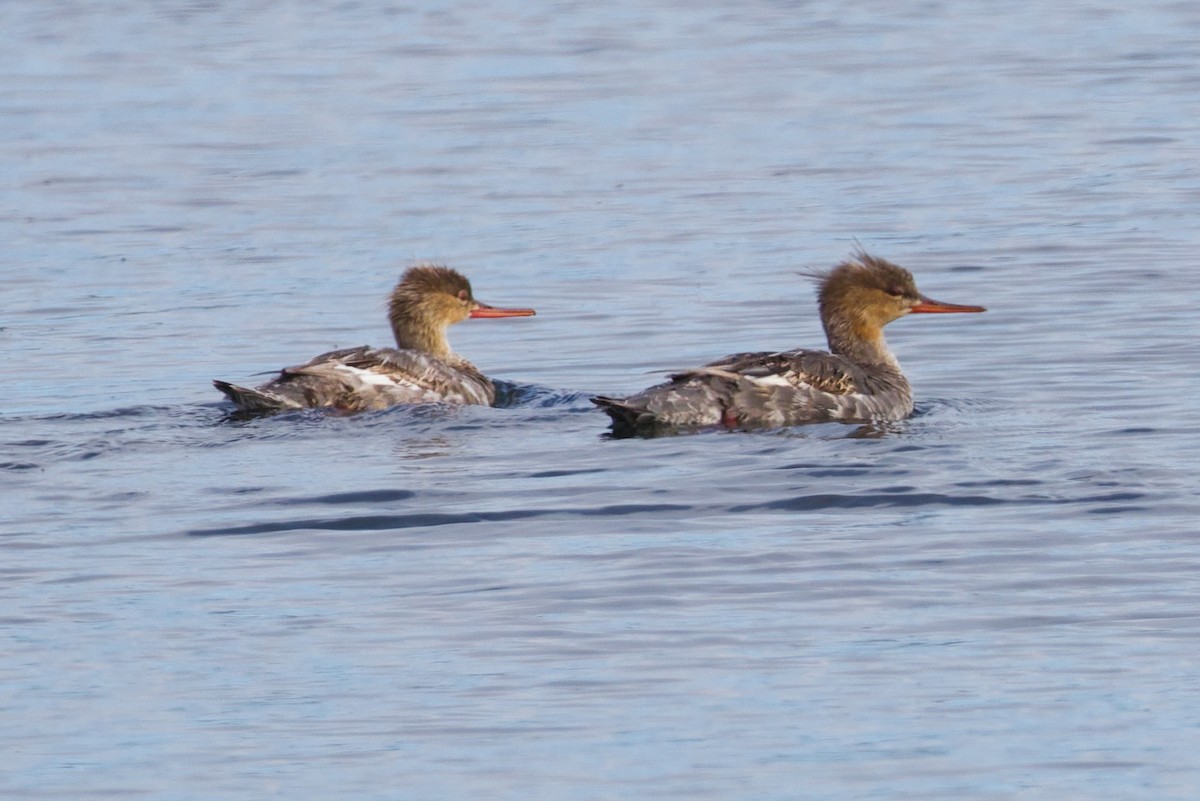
[(995, 599)]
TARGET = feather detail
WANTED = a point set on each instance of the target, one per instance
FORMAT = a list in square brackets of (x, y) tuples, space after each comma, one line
[(421, 369), (858, 380)]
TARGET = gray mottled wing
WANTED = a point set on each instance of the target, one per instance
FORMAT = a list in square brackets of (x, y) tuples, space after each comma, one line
[(782, 388), (818, 370), (375, 378)]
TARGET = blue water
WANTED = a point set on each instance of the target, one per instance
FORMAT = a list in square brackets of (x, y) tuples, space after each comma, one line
[(995, 599)]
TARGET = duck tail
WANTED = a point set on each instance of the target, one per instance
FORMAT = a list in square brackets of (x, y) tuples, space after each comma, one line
[(253, 400), (625, 416)]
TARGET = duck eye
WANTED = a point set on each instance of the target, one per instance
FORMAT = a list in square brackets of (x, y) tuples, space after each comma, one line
[(896, 291), (462, 295)]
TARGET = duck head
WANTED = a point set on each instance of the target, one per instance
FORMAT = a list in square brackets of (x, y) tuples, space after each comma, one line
[(862, 295), (429, 299)]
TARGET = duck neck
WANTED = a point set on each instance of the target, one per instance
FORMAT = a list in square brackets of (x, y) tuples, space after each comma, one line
[(860, 342), (414, 333)]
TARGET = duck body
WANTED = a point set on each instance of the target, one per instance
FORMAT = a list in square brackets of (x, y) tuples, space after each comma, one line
[(768, 389), (858, 380), (364, 379), (422, 369)]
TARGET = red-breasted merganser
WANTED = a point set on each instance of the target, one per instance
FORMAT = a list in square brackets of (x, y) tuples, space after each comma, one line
[(859, 381), (420, 369)]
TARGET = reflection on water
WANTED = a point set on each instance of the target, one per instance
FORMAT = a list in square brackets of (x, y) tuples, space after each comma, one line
[(427, 447)]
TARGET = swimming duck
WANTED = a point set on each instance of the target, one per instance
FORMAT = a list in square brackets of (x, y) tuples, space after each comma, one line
[(858, 380), (420, 369)]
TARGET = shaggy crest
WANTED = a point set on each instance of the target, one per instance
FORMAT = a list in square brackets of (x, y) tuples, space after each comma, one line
[(429, 279), (864, 271), (429, 298)]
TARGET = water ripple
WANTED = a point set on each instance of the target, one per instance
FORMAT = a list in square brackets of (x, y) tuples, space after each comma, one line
[(427, 520)]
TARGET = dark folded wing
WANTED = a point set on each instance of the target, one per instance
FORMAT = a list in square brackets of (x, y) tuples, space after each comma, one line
[(395, 376), (813, 369)]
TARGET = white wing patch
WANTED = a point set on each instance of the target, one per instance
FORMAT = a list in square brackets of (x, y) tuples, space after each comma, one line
[(774, 379), (368, 376)]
